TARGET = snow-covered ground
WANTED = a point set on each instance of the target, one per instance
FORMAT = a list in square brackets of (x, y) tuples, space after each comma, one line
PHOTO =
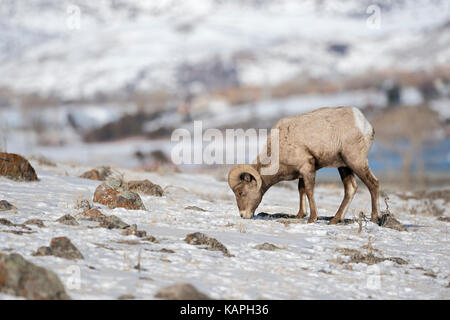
[(307, 266)]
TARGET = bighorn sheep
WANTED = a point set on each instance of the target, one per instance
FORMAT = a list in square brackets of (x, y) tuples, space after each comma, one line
[(328, 137)]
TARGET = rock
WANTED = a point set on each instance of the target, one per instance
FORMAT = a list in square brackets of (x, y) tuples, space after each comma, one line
[(397, 260), (388, 221), (91, 175), (6, 206), (19, 277), (212, 244), (68, 220), (17, 168), (83, 204), (60, 247), (37, 222), (182, 291), (145, 187), (43, 251), (93, 215), (133, 231), (267, 246), (6, 222), (112, 222), (97, 174), (367, 258), (370, 259), (115, 183), (150, 239), (113, 196)]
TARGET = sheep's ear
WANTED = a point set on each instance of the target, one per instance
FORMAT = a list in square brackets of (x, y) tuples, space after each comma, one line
[(247, 177)]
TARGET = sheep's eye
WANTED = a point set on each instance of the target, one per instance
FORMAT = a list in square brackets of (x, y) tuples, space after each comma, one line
[(240, 194)]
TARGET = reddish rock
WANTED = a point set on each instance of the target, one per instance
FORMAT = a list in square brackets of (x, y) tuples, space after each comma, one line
[(145, 187), (93, 214), (16, 167), (97, 174), (92, 175), (114, 196)]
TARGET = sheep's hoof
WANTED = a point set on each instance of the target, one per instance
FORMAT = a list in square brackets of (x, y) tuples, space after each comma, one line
[(300, 215), (374, 219), (334, 221), (312, 220)]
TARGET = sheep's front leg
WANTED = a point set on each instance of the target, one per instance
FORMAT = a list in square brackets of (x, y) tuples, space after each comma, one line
[(309, 177), (302, 191)]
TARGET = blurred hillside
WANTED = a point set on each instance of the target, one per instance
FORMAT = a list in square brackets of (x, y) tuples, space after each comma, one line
[(81, 78), (124, 47)]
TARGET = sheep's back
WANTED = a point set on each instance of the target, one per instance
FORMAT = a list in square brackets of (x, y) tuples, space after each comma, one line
[(324, 133)]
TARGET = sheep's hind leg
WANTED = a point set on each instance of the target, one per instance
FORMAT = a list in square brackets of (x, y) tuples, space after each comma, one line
[(350, 186), (302, 192), (372, 184)]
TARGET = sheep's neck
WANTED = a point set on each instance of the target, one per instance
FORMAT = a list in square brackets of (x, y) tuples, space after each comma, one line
[(267, 181)]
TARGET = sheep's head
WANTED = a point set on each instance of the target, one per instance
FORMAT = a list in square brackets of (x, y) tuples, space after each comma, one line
[(246, 184)]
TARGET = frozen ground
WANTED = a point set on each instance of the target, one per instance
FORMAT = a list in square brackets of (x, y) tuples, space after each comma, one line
[(307, 266)]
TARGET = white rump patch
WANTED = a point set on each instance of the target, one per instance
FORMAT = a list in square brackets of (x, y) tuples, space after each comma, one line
[(363, 125)]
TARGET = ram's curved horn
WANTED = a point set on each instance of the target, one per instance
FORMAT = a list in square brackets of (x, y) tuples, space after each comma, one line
[(234, 177)]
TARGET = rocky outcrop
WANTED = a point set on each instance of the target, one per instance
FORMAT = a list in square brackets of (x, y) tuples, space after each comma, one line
[(145, 187), (21, 278), (388, 221), (15, 167), (200, 239), (60, 247), (68, 220), (97, 174), (6, 206), (92, 214), (112, 222), (114, 195)]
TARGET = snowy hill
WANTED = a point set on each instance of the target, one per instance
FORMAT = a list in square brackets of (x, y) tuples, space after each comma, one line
[(310, 261), (144, 45)]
